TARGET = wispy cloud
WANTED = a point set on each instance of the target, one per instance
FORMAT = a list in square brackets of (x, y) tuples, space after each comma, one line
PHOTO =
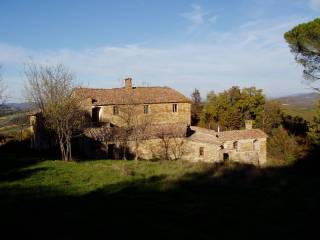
[(196, 16), (253, 54), (315, 4), (199, 17)]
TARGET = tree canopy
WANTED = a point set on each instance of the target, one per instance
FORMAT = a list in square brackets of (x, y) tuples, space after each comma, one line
[(231, 108), (304, 42)]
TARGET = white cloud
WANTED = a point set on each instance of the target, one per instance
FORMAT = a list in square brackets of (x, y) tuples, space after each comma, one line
[(196, 16), (254, 54)]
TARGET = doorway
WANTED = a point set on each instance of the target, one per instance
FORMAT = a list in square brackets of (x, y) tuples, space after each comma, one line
[(110, 151), (96, 114), (226, 157)]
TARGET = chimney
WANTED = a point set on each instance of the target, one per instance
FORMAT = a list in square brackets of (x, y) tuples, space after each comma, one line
[(128, 83), (248, 124)]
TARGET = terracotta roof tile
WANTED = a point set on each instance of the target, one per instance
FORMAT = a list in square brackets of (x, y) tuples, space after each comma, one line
[(135, 95), (241, 134), (209, 136)]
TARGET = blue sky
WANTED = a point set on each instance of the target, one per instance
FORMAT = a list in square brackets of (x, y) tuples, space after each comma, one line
[(209, 45)]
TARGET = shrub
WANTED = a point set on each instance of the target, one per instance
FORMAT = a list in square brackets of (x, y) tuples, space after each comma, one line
[(282, 146)]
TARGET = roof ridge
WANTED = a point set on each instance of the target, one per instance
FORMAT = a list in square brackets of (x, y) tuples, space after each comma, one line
[(125, 88), (152, 94)]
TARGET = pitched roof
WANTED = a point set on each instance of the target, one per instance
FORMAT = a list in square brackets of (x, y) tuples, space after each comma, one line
[(241, 134), (210, 136), (196, 134), (203, 135), (135, 95)]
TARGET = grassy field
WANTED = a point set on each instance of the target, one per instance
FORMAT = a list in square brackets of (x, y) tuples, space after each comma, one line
[(13, 125), (306, 113), (108, 199)]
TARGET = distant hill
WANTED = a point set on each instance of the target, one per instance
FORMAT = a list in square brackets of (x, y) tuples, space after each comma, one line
[(10, 108), (307, 100), (302, 105), (19, 106)]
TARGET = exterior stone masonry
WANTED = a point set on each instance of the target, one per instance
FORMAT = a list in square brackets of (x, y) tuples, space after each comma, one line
[(251, 151), (161, 113), (166, 115)]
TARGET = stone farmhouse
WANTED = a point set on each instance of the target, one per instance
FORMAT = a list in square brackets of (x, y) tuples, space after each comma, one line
[(154, 122)]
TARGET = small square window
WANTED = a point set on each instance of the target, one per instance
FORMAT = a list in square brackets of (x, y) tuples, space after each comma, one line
[(201, 151), (145, 109), (115, 110), (236, 145), (174, 107)]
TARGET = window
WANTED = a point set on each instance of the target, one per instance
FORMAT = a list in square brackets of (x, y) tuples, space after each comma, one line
[(174, 107), (236, 145), (145, 109), (256, 145), (115, 110), (201, 151)]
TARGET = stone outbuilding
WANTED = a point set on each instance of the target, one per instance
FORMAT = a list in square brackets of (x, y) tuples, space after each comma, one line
[(247, 146)]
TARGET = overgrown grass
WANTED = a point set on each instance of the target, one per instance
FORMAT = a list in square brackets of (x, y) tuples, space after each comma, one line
[(80, 178), (109, 199)]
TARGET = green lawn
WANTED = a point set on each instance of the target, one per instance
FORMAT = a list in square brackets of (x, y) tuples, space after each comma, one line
[(79, 178), (108, 199)]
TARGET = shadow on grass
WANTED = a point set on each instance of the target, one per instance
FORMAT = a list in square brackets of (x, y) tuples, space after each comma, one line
[(220, 202), (16, 155)]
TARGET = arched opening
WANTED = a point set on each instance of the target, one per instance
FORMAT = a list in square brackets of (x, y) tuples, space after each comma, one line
[(256, 145), (225, 157)]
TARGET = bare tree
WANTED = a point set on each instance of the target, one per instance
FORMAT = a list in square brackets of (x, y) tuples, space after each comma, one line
[(136, 122), (51, 89), (177, 147), (128, 115), (21, 121), (141, 133), (172, 141)]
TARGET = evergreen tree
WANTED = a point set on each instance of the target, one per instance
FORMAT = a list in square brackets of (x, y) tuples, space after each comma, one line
[(196, 107), (304, 43)]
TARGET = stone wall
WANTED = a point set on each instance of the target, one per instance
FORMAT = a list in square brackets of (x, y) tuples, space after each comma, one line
[(157, 113), (246, 152), (188, 150), (210, 152)]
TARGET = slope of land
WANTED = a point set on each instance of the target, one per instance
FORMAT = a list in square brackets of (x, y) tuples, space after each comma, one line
[(13, 124), (302, 105), (110, 199)]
